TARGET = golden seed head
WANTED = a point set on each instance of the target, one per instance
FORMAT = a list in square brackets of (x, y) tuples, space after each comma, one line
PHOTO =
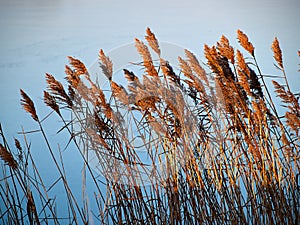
[(244, 42), (277, 52), (28, 105), (6, 156)]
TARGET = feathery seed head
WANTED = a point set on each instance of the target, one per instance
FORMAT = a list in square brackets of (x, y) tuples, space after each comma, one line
[(106, 64), (78, 66), (28, 105), (244, 42), (225, 49), (51, 102), (6, 156), (152, 41), (277, 52)]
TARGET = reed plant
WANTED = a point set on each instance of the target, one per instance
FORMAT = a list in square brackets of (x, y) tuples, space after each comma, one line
[(218, 150)]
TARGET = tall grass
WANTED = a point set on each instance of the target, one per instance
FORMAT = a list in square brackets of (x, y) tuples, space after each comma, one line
[(218, 151)]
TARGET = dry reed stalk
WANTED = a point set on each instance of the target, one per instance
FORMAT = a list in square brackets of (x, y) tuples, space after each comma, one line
[(50, 101), (168, 72), (152, 41), (106, 64), (28, 105), (102, 127), (244, 42), (31, 209), (255, 84), (97, 138), (293, 121), (130, 76), (18, 145), (156, 125), (20, 150), (243, 72), (75, 83), (225, 49), (108, 111), (257, 111), (194, 63), (283, 137), (187, 71), (293, 116), (133, 86), (287, 97), (120, 93), (281, 92), (79, 67), (71, 77), (222, 95), (211, 55), (227, 71), (277, 52), (147, 59), (147, 103), (96, 94), (58, 90), (71, 93), (149, 87), (228, 82), (8, 158)]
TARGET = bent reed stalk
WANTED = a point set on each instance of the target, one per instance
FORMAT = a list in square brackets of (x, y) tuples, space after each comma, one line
[(218, 151)]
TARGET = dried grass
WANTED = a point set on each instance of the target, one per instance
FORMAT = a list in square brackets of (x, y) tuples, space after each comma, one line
[(277, 52), (28, 105), (8, 158), (218, 151), (244, 42)]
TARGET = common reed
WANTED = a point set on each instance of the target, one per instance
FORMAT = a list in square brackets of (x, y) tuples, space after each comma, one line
[(7, 157), (217, 150)]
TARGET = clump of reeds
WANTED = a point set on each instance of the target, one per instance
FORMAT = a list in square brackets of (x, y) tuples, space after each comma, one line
[(218, 150)]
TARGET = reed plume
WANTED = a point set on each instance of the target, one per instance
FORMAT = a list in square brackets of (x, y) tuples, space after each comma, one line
[(292, 103), (152, 41), (147, 59), (244, 42), (8, 158), (28, 105), (119, 92), (211, 55), (243, 72), (293, 121), (187, 71), (79, 67), (225, 49), (18, 145), (277, 52), (255, 84), (58, 90), (194, 63), (97, 138), (20, 150), (71, 77), (169, 72), (106, 64), (287, 97), (50, 101)]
